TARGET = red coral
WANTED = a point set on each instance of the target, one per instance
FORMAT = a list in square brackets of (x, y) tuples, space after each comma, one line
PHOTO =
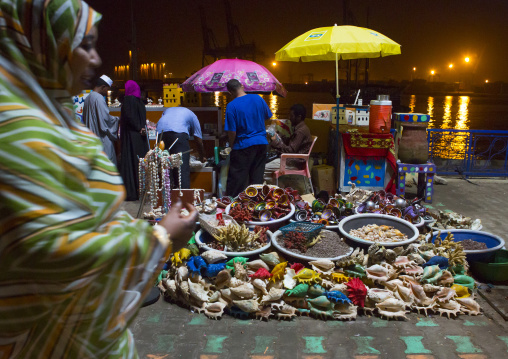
[(261, 273), (241, 213), (296, 240), (261, 231), (297, 267), (357, 291), (221, 222)]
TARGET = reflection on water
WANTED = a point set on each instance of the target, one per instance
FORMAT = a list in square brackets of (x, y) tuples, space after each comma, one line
[(217, 98), (274, 105), (430, 110), (447, 114), (412, 103), (462, 115)]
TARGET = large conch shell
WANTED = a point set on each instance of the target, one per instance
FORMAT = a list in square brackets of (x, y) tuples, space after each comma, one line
[(244, 291), (322, 265), (248, 305), (197, 291), (255, 265), (260, 284), (214, 310), (272, 258), (274, 295), (392, 308), (213, 256), (469, 306), (223, 278)]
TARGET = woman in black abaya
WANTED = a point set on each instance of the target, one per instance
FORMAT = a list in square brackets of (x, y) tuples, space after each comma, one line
[(133, 138)]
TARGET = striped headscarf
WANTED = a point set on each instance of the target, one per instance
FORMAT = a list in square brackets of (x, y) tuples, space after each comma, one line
[(74, 268)]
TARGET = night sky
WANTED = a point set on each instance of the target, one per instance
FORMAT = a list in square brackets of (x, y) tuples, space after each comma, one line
[(433, 34)]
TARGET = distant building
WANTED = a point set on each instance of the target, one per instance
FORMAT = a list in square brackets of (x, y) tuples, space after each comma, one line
[(174, 96)]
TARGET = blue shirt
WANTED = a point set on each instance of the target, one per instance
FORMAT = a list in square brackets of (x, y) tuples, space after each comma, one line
[(179, 120), (246, 116)]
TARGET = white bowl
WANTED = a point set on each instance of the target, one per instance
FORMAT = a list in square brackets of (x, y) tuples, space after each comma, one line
[(336, 226), (301, 256), (359, 220), (203, 245), (268, 223)]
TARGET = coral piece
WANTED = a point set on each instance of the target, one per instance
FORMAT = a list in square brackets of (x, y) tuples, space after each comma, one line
[(196, 264), (295, 240), (307, 276), (357, 292), (261, 232), (241, 213), (297, 267), (180, 256), (237, 238), (213, 256), (337, 297), (299, 291), (278, 271), (261, 273), (442, 262), (212, 270)]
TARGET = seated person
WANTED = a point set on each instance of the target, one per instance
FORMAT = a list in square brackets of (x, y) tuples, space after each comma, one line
[(299, 142)]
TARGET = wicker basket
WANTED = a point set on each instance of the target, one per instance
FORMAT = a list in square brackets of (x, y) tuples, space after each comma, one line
[(211, 224), (309, 230)]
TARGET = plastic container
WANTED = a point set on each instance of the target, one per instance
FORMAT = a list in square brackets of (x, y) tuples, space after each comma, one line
[(493, 242), (309, 230), (202, 238), (495, 271), (359, 220), (380, 117), (302, 257)]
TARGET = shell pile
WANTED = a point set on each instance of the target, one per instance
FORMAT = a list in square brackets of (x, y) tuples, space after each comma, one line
[(375, 233), (454, 220), (385, 282)]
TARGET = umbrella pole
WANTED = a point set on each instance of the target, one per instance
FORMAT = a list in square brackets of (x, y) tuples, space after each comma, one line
[(337, 159)]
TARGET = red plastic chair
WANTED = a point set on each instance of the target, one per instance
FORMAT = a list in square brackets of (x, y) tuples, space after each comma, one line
[(305, 172)]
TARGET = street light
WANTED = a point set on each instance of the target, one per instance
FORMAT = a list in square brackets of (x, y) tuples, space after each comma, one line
[(274, 63), (466, 59), (413, 73), (450, 66), (486, 81)]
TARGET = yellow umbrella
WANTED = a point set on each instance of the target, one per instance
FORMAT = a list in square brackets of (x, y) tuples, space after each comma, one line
[(338, 42)]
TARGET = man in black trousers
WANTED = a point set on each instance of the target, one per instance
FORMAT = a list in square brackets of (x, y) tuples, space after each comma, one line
[(245, 125)]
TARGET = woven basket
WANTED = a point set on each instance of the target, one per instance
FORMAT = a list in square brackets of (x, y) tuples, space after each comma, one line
[(309, 230), (211, 224)]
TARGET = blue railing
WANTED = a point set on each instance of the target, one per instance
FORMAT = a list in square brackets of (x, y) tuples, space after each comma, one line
[(469, 152)]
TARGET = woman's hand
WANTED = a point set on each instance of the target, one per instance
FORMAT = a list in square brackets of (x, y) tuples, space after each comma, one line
[(179, 228)]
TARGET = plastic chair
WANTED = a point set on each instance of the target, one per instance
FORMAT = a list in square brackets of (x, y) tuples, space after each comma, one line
[(305, 172)]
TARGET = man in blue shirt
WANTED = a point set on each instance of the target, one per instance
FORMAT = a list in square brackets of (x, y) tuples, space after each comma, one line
[(181, 123), (245, 125)]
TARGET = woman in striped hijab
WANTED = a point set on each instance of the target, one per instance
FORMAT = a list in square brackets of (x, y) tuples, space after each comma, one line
[(74, 269)]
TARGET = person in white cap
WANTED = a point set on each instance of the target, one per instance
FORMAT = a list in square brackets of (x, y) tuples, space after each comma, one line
[(97, 118)]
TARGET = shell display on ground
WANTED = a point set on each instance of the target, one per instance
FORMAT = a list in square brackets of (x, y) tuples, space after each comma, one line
[(385, 282)]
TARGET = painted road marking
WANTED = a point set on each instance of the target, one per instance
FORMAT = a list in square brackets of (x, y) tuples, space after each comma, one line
[(479, 323), (426, 322), (377, 323), (414, 345), (504, 339), (334, 323), (363, 345), (165, 343), (464, 344), (214, 343), (154, 318), (199, 320), (313, 345), (264, 344)]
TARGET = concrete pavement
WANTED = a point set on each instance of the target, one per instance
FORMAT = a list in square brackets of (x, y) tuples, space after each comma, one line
[(164, 330)]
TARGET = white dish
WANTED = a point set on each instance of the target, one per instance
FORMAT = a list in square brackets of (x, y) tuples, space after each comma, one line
[(268, 223), (301, 256), (203, 245)]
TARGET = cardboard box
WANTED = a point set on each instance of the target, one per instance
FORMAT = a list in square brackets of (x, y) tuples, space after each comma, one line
[(323, 178)]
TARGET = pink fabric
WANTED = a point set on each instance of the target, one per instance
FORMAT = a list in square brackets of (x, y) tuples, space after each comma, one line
[(132, 89)]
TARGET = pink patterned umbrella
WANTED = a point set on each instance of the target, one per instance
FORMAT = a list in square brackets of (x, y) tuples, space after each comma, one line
[(214, 77)]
